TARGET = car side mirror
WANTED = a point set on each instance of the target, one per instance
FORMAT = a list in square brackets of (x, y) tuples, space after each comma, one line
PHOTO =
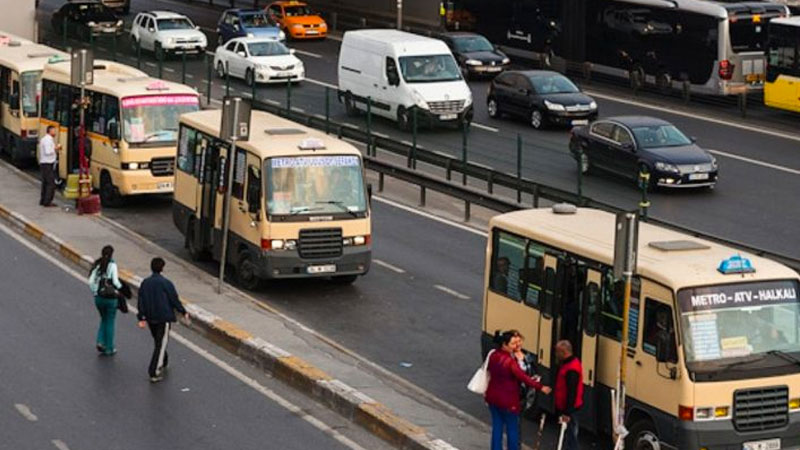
[(242, 54), (693, 139), (236, 27), (628, 147), (197, 27), (113, 131)]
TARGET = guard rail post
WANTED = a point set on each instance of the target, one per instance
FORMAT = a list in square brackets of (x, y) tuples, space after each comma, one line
[(183, 67), (579, 159), (380, 181), (209, 63), (464, 132), (644, 183), (519, 168), (490, 182), (535, 195), (253, 87), (467, 210), (448, 168), (289, 98), (160, 63), (743, 103), (114, 48), (412, 157), (327, 110), (422, 196), (369, 126), (687, 92), (91, 41), (227, 79), (139, 53)]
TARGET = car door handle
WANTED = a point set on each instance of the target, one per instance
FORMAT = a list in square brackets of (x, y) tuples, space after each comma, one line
[(375, 85)]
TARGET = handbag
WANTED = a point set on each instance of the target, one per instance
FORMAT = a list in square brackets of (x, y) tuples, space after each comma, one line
[(480, 380), (122, 304), (105, 286)]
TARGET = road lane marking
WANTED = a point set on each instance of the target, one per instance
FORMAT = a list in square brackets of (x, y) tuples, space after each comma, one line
[(59, 444), (391, 267), (430, 216), (677, 112), (25, 412), (149, 64), (485, 127), (188, 75), (383, 135), (313, 55), (755, 162), (300, 110), (452, 292), (322, 83), (169, 69)]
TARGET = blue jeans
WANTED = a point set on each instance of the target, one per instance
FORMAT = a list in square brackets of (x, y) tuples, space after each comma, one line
[(571, 434), (107, 307), (503, 418)]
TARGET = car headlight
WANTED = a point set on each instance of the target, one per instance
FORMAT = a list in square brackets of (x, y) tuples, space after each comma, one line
[(262, 67), (170, 41), (251, 35), (554, 106), (472, 62), (276, 244), (323, 26), (666, 167), (290, 244), (281, 35), (419, 101), (468, 100), (714, 163), (119, 23), (593, 105), (506, 60), (91, 23), (297, 26)]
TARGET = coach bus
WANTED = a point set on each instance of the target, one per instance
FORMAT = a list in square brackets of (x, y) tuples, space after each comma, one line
[(131, 127), (782, 89), (21, 64), (299, 205), (717, 46), (713, 353)]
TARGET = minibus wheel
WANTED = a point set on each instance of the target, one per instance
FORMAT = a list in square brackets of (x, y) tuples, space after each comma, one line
[(246, 275), (195, 252), (643, 436), (109, 194)]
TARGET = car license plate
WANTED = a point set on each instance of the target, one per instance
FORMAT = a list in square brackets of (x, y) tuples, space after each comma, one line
[(698, 176), (448, 117), (770, 444), (494, 69), (312, 32), (164, 185), (326, 268), (580, 122)]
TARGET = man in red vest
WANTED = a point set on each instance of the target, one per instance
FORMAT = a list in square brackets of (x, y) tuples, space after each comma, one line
[(568, 392)]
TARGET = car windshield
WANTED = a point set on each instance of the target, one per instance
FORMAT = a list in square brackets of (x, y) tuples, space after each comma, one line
[(739, 323), (315, 185), (31, 90), (257, 20), (95, 11), (267, 48), (660, 136), (429, 68), (299, 10), (468, 44), (175, 24), (154, 118), (553, 84)]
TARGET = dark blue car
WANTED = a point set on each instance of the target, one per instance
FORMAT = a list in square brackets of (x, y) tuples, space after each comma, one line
[(247, 23)]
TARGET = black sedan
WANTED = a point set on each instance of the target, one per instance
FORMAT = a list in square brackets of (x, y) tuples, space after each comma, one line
[(86, 18), (628, 145), (476, 56), (542, 97)]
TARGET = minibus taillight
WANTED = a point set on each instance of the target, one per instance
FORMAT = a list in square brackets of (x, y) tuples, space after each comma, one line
[(685, 413), (266, 244), (725, 69)]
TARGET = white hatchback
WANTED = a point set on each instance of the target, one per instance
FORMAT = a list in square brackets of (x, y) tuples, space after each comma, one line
[(167, 32), (258, 60)]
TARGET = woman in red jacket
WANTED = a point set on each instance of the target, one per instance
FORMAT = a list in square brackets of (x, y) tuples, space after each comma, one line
[(502, 395)]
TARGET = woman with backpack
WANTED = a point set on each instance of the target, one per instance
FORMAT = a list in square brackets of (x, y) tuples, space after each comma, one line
[(104, 283)]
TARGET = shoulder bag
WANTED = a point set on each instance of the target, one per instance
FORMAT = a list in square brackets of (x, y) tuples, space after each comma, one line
[(105, 286), (480, 380)]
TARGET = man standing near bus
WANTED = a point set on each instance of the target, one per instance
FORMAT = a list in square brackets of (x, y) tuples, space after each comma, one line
[(47, 166), (568, 392)]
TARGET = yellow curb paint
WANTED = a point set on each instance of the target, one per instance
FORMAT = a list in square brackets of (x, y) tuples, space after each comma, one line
[(70, 253), (300, 367), (231, 330), (381, 421), (34, 230), (4, 212)]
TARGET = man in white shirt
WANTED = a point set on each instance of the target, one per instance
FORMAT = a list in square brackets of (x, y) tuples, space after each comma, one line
[(47, 163)]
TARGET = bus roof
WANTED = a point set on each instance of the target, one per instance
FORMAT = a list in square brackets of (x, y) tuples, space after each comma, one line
[(22, 55), (793, 21), (719, 9), (271, 135), (117, 79), (590, 233)]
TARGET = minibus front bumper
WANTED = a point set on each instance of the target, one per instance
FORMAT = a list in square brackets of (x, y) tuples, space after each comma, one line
[(722, 435), (354, 260)]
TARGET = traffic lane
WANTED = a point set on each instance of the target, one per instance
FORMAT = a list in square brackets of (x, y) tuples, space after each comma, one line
[(49, 364)]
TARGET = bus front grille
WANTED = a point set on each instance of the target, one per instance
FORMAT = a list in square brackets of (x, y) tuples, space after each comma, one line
[(761, 409), (162, 167), (320, 243)]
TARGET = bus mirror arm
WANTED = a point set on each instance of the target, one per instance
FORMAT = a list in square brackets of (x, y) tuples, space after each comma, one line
[(369, 193)]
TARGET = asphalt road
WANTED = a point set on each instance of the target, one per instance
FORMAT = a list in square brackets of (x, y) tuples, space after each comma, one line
[(58, 393)]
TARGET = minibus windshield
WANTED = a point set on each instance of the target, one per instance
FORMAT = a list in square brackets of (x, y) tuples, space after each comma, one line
[(310, 185), (731, 326), (154, 118), (429, 68)]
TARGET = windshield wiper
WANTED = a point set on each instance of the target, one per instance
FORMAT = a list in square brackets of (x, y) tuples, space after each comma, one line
[(159, 133), (302, 209), (341, 206), (784, 356), (744, 361)]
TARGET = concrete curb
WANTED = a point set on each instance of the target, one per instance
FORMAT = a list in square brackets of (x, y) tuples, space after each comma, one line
[(351, 403)]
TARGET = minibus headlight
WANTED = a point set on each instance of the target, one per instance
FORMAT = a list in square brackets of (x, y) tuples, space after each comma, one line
[(276, 244), (290, 244), (419, 101), (794, 404), (133, 166), (359, 240), (705, 413), (721, 412), (347, 241)]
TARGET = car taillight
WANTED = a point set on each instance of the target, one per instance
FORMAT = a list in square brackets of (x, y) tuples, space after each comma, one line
[(725, 69)]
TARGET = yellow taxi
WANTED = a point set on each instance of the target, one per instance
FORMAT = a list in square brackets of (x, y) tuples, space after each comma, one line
[(297, 20)]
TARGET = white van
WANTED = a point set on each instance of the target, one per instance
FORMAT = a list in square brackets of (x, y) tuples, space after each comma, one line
[(400, 72)]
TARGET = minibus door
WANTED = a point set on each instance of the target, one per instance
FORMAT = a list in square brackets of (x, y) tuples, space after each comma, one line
[(209, 185), (590, 313), (547, 327)]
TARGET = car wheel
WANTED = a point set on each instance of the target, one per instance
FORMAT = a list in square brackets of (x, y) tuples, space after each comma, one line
[(246, 273), (493, 108), (537, 119), (109, 194), (403, 119), (196, 252), (664, 82), (344, 279), (249, 77), (642, 436), (350, 105), (220, 70), (546, 58)]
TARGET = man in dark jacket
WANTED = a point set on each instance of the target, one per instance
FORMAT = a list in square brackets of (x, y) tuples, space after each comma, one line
[(568, 392), (158, 301)]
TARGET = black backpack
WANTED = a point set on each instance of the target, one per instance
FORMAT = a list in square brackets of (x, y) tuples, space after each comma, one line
[(105, 286)]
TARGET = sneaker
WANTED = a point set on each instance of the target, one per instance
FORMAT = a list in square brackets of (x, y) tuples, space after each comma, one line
[(100, 348), (156, 379), (111, 353)]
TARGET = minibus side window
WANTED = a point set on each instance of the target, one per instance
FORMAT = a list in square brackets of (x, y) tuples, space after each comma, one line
[(5, 81), (592, 292), (253, 189), (532, 276), (49, 100), (186, 150), (659, 329), (238, 175), (611, 307), (508, 255)]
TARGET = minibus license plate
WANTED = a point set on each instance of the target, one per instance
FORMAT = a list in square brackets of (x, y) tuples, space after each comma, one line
[(327, 268), (164, 185), (580, 122), (771, 444), (448, 117), (698, 176)]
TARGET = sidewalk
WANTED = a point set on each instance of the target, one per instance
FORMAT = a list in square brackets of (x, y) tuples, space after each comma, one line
[(392, 408)]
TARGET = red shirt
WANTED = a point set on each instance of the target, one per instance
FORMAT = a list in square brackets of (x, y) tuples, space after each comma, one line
[(563, 391), (504, 378)]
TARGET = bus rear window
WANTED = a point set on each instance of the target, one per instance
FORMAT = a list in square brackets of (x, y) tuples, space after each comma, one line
[(747, 36)]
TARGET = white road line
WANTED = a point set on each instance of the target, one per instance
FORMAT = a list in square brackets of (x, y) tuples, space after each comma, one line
[(430, 216), (291, 407), (391, 267), (452, 292), (59, 444), (383, 135), (169, 69), (300, 110), (725, 122), (215, 101), (755, 161), (313, 55), (485, 127), (149, 64), (188, 75), (322, 83), (25, 412)]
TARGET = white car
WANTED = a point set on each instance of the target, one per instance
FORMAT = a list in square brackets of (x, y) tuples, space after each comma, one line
[(258, 60), (167, 32)]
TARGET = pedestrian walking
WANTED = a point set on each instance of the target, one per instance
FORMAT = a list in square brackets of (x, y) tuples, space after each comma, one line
[(158, 301), (47, 163), (502, 395), (104, 283), (568, 392)]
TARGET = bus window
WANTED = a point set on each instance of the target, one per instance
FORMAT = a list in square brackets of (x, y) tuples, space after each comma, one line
[(64, 105), (507, 262), (592, 308), (31, 87), (186, 150), (531, 277), (238, 174), (5, 84), (747, 35), (253, 189), (659, 328), (50, 99), (13, 99), (611, 307), (549, 292)]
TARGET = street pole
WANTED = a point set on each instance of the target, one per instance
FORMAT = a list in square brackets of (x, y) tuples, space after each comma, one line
[(327, 110), (208, 83), (412, 158), (183, 67), (519, 168), (369, 126), (464, 132), (399, 14), (226, 215)]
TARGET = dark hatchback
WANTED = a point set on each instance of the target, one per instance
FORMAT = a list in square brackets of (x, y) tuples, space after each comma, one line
[(86, 19), (476, 56), (542, 97), (628, 145)]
